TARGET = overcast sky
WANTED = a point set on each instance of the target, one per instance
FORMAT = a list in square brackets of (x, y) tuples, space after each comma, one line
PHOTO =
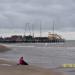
[(15, 14)]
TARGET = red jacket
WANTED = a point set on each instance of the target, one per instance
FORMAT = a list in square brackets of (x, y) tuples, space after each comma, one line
[(22, 62)]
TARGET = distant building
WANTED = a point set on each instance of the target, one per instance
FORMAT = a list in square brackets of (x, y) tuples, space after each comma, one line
[(1, 39), (16, 38)]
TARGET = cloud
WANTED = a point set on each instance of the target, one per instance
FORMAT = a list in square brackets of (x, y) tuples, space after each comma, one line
[(16, 13)]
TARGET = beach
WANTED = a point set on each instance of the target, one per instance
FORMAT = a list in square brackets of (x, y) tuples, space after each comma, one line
[(11, 68), (8, 68)]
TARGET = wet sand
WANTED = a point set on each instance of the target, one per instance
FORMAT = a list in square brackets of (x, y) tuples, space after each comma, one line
[(4, 48), (11, 68), (8, 68)]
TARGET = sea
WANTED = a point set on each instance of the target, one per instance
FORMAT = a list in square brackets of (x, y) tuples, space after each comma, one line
[(45, 55)]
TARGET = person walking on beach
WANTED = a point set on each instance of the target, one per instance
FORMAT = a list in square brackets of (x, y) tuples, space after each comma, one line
[(22, 62)]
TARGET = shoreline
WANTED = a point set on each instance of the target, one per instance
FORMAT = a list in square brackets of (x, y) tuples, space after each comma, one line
[(10, 68)]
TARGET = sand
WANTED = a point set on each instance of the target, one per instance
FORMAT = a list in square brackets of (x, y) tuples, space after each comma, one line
[(11, 68), (4, 48), (8, 68)]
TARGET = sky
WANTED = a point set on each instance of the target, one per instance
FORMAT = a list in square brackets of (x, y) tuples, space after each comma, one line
[(19, 16)]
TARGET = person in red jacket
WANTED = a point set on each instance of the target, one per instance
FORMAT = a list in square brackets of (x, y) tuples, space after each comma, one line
[(22, 62)]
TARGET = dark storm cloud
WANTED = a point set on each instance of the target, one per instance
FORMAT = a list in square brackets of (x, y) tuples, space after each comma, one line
[(16, 13)]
